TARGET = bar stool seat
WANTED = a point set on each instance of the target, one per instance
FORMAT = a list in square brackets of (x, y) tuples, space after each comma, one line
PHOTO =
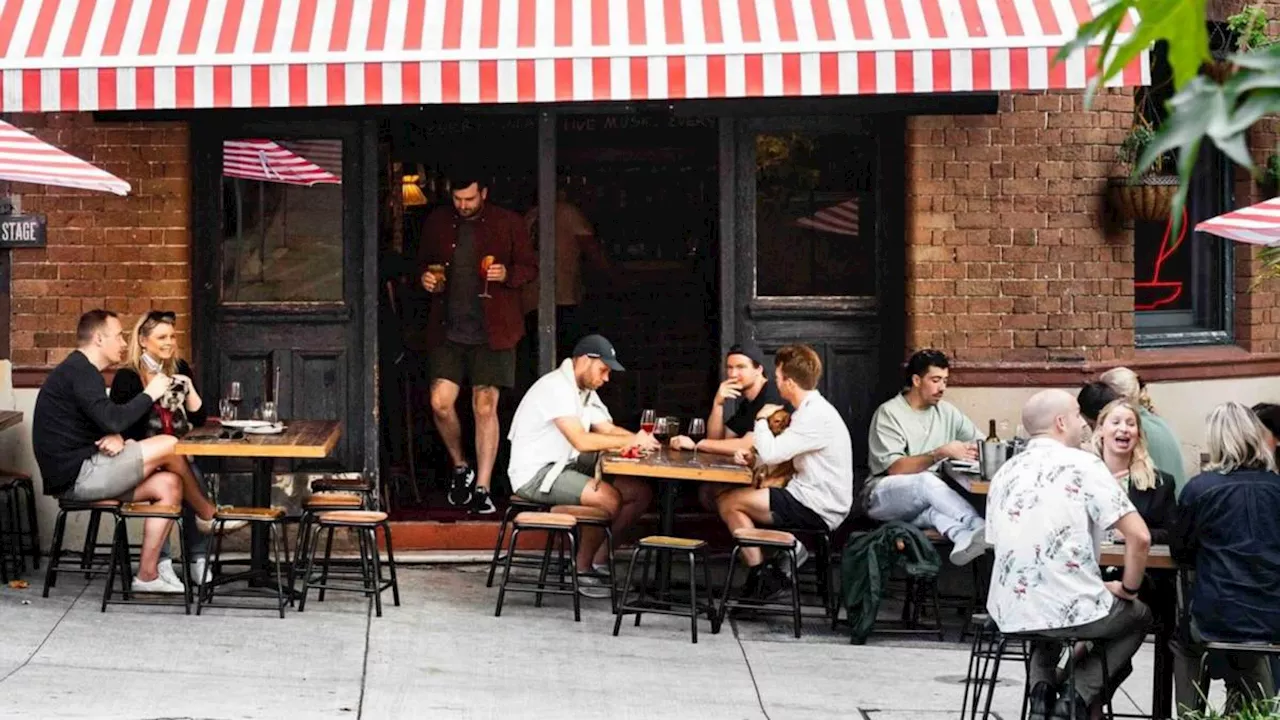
[(76, 505), (583, 513), (333, 500), (249, 514), (214, 578), (87, 560), (352, 517), (545, 520), (342, 482), (365, 523), (764, 537), (558, 526)]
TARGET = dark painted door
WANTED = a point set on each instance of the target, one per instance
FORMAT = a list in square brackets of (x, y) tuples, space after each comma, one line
[(285, 273), (818, 253)]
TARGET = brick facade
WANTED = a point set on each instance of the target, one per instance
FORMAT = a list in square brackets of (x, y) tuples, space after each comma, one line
[(127, 254)]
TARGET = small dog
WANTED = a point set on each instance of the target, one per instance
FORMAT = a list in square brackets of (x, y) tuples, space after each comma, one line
[(778, 475), (170, 412)]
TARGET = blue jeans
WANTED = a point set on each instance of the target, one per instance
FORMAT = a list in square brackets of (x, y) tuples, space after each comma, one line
[(923, 500)]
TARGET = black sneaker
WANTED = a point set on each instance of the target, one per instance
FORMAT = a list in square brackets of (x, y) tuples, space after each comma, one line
[(1070, 706), (1041, 702), (752, 586), (481, 503), (774, 585), (461, 486)]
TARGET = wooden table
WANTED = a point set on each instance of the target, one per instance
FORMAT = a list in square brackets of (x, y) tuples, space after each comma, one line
[(301, 440), (1159, 560), (10, 418), (969, 483)]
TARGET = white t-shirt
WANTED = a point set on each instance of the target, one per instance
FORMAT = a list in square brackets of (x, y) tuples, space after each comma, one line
[(536, 442)]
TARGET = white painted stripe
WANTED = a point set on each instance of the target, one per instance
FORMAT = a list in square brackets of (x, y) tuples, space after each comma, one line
[(961, 70), (730, 24), (544, 74), (582, 78), (171, 32), (841, 21), (285, 27), (241, 86), (471, 17), (508, 81), (993, 22), (322, 31), (849, 80), (917, 26), (429, 78), (50, 90), (279, 85), (767, 19), (61, 31), (202, 83), (618, 23), (655, 30), (317, 86), (695, 76), (88, 78), (1038, 69), (126, 89), (1000, 69), (691, 20), (508, 24), (922, 71), (579, 26), (247, 33), (658, 78), (886, 74), (358, 35), (23, 28), (806, 26), (392, 83), (212, 27), (620, 78), (468, 83), (810, 74), (773, 86), (166, 88), (735, 76)]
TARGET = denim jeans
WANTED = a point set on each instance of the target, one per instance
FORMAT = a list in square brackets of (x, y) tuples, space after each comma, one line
[(197, 542), (923, 500)]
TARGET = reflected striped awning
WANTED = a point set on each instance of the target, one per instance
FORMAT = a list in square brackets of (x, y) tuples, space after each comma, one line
[(1257, 224), (26, 158), (162, 54), (267, 161)]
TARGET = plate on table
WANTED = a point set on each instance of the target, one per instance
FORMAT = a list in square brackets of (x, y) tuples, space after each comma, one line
[(264, 429), (246, 424)]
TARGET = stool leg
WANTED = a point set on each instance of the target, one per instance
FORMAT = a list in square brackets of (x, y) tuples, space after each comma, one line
[(306, 572), (391, 564), (613, 582), (795, 590), (328, 555), (186, 557), (991, 689), (572, 537), (823, 568), (693, 596), (33, 529), (647, 554), (506, 572), (711, 595), (497, 546), (728, 585), (304, 537), (626, 590), (377, 568), (90, 551), (114, 564), (276, 530), (368, 578), (55, 552), (546, 563)]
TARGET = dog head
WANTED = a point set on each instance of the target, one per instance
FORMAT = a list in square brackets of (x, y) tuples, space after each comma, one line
[(780, 420)]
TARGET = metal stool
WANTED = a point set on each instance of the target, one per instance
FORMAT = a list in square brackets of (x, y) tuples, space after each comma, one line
[(17, 487), (987, 645), (764, 539), (515, 505), (91, 562), (557, 526), (348, 482), (120, 560), (365, 523), (318, 503), (597, 518), (821, 565), (273, 518), (1028, 639), (660, 606)]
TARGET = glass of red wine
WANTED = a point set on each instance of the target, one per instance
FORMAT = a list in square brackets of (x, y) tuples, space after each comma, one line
[(661, 430), (697, 431), (647, 421)]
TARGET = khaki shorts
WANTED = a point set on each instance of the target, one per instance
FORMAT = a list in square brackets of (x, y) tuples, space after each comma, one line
[(109, 477), (568, 486)]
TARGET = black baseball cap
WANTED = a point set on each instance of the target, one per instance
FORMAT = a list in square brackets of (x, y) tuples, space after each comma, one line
[(749, 350), (596, 346)]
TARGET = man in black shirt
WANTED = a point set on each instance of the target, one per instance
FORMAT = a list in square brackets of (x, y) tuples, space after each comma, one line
[(76, 433)]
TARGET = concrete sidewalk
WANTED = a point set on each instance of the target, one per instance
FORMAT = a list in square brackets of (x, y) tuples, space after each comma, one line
[(443, 654)]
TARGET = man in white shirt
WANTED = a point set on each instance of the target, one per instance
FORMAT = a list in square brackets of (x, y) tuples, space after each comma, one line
[(820, 493), (1047, 511), (556, 436), (911, 434)]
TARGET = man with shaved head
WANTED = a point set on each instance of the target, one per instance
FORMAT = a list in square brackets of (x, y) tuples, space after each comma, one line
[(1047, 509)]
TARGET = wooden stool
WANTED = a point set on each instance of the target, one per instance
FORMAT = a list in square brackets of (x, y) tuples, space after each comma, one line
[(90, 561), (1029, 640), (597, 518), (515, 505), (365, 524), (764, 539), (120, 553), (318, 503), (348, 482), (660, 606), (273, 518), (556, 525), (21, 496), (821, 565)]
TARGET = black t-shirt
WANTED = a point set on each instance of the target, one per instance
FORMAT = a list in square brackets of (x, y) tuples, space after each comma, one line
[(463, 287), (744, 417), (128, 384)]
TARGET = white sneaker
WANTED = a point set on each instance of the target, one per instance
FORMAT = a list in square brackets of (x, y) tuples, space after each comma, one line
[(969, 546), (802, 557), (154, 586), (196, 573), (165, 570)]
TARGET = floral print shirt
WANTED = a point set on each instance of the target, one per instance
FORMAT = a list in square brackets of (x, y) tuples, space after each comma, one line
[(1048, 510)]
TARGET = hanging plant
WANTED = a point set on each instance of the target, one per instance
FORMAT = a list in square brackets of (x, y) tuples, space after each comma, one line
[(1248, 32), (1150, 195), (1268, 178)]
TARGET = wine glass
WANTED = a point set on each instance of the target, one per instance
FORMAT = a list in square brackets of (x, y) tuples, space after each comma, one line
[(647, 421), (235, 394), (697, 431), (660, 427), (485, 263)]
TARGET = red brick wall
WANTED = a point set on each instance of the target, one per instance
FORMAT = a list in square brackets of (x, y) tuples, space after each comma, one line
[(127, 254)]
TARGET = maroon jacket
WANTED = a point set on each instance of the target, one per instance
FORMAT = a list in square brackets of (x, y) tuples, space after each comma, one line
[(500, 233)]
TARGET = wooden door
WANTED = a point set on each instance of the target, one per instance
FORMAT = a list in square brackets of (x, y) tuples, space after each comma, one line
[(284, 275), (818, 253)]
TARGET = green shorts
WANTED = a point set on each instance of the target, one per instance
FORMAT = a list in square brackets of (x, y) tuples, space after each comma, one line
[(474, 365), (569, 484)]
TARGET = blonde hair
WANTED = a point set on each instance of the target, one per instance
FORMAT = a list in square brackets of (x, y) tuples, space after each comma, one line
[(1127, 383), (1236, 440), (1142, 470), (143, 329)]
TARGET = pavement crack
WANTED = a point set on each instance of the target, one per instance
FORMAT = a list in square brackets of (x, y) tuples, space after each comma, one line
[(48, 635), (751, 673), (364, 665)]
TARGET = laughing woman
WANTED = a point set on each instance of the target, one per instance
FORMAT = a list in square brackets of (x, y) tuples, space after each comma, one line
[(1122, 445)]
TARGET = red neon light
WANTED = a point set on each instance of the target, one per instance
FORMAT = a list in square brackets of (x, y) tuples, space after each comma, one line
[(1166, 251)]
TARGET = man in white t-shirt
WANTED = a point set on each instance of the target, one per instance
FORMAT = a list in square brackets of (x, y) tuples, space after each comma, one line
[(556, 436), (1047, 511)]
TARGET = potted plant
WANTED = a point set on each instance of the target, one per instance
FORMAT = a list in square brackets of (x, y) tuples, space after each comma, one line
[(1150, 195), (1248, 32)]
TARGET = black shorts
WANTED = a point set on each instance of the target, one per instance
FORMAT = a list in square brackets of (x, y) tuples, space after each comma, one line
[(787, 512), (474, 365)]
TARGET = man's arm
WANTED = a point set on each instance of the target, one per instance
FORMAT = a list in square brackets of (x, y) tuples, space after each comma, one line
[(524, 260), (800, 438), (606, 427), (608, 438), (1137, 541), (728, 445), (110, 417)]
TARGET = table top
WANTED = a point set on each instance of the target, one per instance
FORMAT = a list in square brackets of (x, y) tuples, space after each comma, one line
[(9, 418), (668, 464), (1158, 557), (968, 482), (310, 439)]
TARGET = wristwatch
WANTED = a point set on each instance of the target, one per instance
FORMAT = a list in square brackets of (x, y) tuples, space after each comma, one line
[(1129, 591)]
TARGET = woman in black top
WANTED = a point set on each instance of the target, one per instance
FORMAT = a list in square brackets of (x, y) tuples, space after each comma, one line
[(153, 348)]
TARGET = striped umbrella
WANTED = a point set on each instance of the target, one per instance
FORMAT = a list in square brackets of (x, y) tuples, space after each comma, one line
[(26, 158), (1257, 224), (841, 218), (268, 161)]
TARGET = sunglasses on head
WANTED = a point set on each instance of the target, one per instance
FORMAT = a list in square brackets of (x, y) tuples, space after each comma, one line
[(162, 316)]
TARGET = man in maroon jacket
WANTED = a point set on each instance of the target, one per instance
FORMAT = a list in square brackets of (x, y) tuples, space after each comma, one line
[(474, 258)]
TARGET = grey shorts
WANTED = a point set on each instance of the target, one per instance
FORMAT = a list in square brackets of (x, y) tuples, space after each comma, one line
[(568, 486), (106, 477)]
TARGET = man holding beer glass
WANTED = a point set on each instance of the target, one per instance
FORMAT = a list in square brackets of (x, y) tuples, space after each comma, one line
[(474, 258)]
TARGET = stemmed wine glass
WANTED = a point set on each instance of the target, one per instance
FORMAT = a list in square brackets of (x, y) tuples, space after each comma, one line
[(647, 420), (485, 263), (235, 394), (697, 431)]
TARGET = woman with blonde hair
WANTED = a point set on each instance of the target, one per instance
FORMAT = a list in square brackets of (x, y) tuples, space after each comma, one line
[(1164, 447), (1121, 443), (1229, 531)]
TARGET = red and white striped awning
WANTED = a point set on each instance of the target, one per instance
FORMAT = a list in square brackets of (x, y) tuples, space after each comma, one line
[(26, 158), (162, 54), (267, 161), (1257, 224)]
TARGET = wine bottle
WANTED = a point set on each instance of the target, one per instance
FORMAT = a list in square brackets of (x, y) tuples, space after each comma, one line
[(991, 432)]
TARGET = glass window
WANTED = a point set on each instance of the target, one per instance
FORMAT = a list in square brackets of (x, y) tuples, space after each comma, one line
[(815, 224), (282, 221)]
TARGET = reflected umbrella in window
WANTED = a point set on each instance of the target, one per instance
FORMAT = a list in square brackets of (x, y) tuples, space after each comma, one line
[(1256, 225), (841, 218)]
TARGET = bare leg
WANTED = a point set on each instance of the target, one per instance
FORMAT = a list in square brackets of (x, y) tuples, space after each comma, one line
[(746, 508), (158, 454), (709, 495), (444, 395), (597, 495), (636, 495), (164, 488), (484, 402)]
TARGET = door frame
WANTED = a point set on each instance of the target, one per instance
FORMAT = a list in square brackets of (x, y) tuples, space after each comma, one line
[(360, 161)]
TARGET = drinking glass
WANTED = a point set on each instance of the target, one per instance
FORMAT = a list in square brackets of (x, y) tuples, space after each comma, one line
[(437, 269), (697, 431), (661, 426), (226, 410), (269, 412), (485, 263), (673, 426), (647, 420)]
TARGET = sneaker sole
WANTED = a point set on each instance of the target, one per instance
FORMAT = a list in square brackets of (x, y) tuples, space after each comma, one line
[(459, 493), (976, 548)]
